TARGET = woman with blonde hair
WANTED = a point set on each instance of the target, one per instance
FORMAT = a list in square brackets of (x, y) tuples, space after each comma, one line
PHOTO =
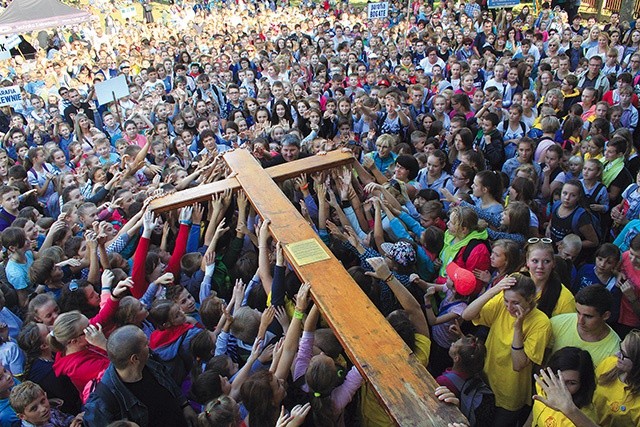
[(601, 47), (82, 129)]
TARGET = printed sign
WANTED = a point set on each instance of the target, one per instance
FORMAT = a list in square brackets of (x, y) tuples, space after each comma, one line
[(4, 49), (378, 10), (492, 4), (128, 12), (10, 95), (13, 41)]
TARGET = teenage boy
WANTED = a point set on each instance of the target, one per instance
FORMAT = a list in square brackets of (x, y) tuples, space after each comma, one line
[(587, 328), (490, 141), (629, 118), (32, 406), (568, 86), (10, 201), (111, 127), (21, 257)]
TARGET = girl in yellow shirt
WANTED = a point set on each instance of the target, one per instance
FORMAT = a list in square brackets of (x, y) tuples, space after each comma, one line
[(552, 296), (518, 336), (617, 396), (577, 370)]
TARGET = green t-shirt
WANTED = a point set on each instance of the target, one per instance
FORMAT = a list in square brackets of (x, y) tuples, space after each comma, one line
[(565, 334)]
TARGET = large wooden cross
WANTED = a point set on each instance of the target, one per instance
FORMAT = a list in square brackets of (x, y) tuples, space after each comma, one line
[(402, 384)]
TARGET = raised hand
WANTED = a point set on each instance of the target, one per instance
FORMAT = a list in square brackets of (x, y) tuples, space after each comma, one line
[(149, 222), (164, 280), (302, 299), (197, 214), (122, 287), (107, 279), (380, 268), (185, 214), (94, 335)]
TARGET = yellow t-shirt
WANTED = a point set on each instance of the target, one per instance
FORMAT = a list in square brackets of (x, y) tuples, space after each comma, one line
[(512, 389), (372, 413), (289, 306), (566, 302), (543, 416), (615, 406)]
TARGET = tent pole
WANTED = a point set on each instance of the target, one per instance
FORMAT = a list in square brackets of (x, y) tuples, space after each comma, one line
[(21, 54)]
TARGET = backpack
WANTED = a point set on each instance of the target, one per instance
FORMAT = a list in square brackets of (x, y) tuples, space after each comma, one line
[(477, 401), (180, 365), (505, 127), (577, 214), (595, 221)]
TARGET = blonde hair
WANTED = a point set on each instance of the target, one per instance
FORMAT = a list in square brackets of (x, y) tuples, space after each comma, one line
[(65, 328), (388, 139), (462, 216)]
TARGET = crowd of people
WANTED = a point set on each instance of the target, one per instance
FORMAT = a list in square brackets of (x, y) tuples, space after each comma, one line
[(491, 213)]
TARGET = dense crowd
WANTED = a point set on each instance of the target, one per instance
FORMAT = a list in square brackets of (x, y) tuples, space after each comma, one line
[(492, 214)]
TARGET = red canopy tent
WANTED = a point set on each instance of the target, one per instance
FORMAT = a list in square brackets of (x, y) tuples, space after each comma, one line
[(24, 16)]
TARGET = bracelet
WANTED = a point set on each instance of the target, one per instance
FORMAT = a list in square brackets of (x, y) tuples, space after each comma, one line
[(517, 348), (428, 306), (298, 315), (106, 288), (304, 187), (185, 222), (388, 278)]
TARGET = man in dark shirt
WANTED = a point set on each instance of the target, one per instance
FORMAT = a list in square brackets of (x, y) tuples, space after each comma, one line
[(77, 106), (136, 388)]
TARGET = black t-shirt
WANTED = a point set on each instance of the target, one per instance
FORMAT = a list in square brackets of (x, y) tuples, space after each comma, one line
[(622, 181), (73, 110), (561, 227), (163, 408)]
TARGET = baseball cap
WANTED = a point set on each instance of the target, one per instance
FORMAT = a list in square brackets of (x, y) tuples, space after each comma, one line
[(463, 280), (401, 252)]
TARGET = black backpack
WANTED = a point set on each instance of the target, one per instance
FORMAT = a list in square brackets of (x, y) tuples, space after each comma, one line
[(477, 401)]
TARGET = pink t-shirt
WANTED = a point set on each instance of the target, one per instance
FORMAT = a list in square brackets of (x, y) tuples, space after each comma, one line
[(139, 140), (627, 316)]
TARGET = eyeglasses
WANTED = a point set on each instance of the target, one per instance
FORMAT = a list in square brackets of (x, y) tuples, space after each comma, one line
[(546, 240)]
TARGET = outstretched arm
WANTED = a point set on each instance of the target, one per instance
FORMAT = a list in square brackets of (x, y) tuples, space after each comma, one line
[(407, 301)]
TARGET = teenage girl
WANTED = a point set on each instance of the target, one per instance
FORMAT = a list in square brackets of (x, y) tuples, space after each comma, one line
[(577, 370), (518, 336)]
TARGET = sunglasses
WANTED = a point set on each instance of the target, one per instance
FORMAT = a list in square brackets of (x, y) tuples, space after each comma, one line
[(545, 240)]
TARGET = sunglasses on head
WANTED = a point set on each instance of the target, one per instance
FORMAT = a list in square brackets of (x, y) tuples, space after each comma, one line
[(545, 240)]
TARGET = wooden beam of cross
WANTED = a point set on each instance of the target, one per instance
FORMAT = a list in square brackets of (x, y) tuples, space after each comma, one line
[(202, 193), (402, 384)]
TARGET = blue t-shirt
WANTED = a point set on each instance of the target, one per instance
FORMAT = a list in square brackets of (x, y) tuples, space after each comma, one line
[(18, 274), (7, 414)]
